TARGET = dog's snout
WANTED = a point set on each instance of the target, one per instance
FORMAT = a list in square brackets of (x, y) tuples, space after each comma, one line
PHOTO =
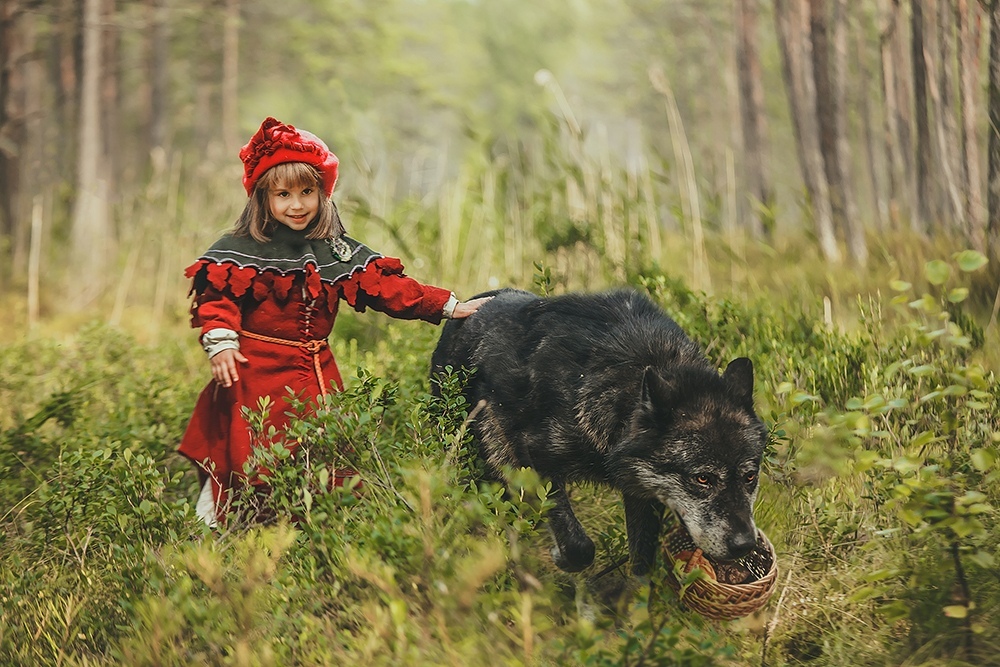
[(740, 544)]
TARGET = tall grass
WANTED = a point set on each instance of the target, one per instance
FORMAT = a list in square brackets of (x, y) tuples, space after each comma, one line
[(879, 489), (560, 198)]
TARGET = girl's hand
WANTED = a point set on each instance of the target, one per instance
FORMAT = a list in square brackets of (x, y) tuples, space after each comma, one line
[(466, 308), (224, 366)]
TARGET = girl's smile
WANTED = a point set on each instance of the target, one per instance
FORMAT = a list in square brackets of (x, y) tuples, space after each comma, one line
[(294, 207)]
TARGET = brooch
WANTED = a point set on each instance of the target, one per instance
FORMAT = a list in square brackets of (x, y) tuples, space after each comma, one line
[(341, 249)]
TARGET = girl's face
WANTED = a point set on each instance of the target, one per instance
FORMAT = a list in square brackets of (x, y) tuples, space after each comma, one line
[(293, 206)]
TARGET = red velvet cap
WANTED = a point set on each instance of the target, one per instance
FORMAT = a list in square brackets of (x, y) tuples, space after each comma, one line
[(275, 142)]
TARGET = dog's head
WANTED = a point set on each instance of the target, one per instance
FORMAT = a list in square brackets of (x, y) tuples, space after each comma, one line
[(695, 444)]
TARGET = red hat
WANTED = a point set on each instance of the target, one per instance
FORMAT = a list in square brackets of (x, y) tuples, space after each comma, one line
[(275, 143)]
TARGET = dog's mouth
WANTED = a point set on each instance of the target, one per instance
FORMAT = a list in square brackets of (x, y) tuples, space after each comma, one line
[(721, 546)]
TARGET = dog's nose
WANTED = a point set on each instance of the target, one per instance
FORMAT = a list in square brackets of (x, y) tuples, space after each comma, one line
[(740, 544)]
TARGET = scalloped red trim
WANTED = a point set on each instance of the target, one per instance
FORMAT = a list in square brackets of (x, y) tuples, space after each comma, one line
[(370, 279), (237, 281)]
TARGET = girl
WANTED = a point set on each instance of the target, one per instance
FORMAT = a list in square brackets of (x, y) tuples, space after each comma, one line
[(266, 296)]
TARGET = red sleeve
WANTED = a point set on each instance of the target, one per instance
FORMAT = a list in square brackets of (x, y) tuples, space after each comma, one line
[(382, 286), (214, 309)]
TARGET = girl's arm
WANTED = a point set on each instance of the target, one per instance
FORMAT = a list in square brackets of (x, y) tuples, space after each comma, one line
[(220, 319), (384, 287)]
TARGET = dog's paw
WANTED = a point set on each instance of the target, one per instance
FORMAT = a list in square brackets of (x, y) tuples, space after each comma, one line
[(640, 569), (575, 559)]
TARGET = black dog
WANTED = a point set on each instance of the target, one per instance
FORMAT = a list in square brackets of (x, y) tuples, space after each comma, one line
[(606, 388)]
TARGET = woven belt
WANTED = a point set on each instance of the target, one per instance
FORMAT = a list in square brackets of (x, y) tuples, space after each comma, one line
[(313, 347)]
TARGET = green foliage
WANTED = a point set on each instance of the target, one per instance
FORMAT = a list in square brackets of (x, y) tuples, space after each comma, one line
[(88, 489), (880, 488)]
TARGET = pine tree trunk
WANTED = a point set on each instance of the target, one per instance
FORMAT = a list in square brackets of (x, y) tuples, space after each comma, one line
[(11, 120), (826, 110), (868, 129), (34, 145), (110, 102), (157, 74), (922, 154), (993, 185), (895, 169), (903, 104), (968, 25), (793, 42), (950, 208), (854, 230), (90, 234), (67, 56), (753, 120)]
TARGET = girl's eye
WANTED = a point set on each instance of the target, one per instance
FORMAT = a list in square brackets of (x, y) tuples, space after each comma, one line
[(307, 191)]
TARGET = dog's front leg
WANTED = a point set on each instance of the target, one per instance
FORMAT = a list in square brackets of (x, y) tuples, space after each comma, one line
[(573, 550), (642, 522)]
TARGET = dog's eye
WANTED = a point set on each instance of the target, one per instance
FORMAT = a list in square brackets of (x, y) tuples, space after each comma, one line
[(750, 478), (704, 480)]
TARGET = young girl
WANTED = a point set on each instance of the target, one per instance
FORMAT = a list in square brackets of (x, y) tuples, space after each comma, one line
[(266, 296)]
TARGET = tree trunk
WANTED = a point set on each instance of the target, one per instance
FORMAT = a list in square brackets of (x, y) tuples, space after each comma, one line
[(67, 45), (110, 102), (826, 111), (207, 81), (993, 189), (967, 22), (793, 41), (922, 153), (854, 230), (753, 121), (903, 104), (230, 80), (157, 74), (33, 154), (950, 208), (867, 123), (895, 170), (90, 232), (11, 120)]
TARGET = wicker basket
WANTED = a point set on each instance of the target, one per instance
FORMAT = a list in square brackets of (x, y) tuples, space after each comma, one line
[(757, 574)]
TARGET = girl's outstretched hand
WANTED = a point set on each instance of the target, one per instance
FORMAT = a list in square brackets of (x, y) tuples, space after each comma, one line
[(466, 308), (225, 364)]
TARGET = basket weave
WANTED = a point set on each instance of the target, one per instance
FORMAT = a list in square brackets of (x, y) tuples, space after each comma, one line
[(716, 599)]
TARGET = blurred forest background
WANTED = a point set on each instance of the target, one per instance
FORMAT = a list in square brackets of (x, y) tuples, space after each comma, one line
[(811, 184), (599, 137)]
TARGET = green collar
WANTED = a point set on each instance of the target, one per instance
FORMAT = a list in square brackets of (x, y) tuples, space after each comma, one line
[(289, 250)]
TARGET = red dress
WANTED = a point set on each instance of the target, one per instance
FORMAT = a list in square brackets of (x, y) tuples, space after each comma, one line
[(282, 299)]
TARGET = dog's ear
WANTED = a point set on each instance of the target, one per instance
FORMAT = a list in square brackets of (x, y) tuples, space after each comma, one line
[(739, 378), (655, 390)]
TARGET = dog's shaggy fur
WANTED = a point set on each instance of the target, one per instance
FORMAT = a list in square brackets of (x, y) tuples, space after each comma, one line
[(606, 388)]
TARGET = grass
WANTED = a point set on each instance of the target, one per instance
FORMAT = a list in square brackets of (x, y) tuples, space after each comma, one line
[(880, 483)]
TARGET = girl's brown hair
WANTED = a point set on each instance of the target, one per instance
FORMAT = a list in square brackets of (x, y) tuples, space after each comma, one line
[(256, 220)]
